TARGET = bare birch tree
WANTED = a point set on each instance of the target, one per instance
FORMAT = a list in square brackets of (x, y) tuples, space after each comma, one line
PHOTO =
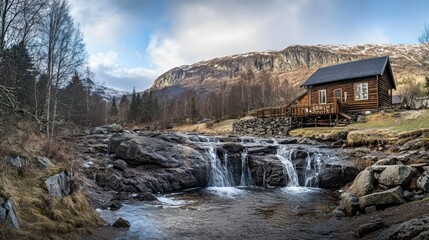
[(65, 53), (19, 21)]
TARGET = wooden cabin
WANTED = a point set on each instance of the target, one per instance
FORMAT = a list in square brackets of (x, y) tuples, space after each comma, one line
[(340, 90)]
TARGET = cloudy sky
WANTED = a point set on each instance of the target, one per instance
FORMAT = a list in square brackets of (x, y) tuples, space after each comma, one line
[(131, 42)]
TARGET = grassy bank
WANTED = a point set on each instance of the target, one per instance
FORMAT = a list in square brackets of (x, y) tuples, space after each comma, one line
[(222, 127), (379, 127), (40, 215)]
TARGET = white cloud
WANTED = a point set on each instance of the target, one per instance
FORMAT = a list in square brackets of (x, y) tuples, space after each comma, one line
[(101, 59), (108, 69), (204, 30), (164, 54)]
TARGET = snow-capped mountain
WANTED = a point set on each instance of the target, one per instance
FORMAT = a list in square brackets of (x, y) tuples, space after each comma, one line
[(294, 64), (106, 92)]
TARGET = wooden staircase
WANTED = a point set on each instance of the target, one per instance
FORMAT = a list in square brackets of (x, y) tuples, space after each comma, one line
[(345, 115)]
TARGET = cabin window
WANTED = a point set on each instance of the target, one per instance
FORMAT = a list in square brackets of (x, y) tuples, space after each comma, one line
[(322, 96), (337, 94), (361, 91)]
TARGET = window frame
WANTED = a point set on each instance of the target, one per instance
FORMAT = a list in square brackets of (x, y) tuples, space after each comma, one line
[(326, 97), (341, 94), (356, 89)]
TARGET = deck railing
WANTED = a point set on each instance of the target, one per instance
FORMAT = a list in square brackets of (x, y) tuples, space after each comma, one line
[(324, 109), (301, 111), (272, 112)]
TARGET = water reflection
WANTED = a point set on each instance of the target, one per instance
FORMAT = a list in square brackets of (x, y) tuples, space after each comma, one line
[(229, 212)]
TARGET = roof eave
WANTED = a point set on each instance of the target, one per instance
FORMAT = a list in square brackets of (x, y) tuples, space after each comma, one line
[(339, 80)]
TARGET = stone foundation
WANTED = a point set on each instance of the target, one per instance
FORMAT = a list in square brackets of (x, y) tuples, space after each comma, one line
[(263, 126)]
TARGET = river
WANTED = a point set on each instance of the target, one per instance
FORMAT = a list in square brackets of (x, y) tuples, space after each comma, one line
[(230, 213), (227, 209)]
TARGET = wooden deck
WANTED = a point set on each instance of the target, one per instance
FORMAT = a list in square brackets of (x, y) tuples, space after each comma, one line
[(302, 111)]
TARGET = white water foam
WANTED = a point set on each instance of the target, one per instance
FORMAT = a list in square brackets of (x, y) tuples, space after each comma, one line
[(228, 192)]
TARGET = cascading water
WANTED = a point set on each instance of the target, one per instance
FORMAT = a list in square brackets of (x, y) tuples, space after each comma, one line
[(246, 177), (219, 175), (313, 168), (285, 156), (309, 174)]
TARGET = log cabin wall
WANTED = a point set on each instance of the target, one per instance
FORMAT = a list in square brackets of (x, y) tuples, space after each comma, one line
[(384, 85), (348, 86), (303, 100)]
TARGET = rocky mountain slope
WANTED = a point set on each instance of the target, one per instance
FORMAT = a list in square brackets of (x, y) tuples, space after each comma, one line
[(293, 64), (105, 92)]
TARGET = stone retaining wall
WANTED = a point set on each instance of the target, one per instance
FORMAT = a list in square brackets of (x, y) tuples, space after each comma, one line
[(263, 126)]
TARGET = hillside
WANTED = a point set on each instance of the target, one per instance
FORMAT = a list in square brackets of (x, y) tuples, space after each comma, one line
[(294, 64), (105, 92)]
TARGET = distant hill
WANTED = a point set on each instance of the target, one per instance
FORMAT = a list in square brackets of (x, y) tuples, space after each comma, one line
[(294, 64), (106, 92)]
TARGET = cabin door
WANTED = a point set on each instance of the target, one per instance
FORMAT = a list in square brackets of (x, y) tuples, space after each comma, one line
[(337, 95)]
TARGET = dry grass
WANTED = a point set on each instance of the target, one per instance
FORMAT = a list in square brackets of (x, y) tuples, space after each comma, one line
[(41, 216), (379, 128), (327, 132), (383, 128), (222, 127), (397, 122)]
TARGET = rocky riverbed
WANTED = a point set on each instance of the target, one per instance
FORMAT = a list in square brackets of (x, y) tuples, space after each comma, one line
[(137, 169)]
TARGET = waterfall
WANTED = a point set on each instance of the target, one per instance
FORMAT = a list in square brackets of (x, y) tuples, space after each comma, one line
[(313, 168), (285, 156), (246, 177), (308, 174), (219, 175), (264, 175)]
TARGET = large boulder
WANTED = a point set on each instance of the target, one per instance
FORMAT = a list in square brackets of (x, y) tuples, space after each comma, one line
[(363, 183), (232, 148), (383, 199), (336, 175), (139, 150), (423, 181), (7, 213), (60, 184), (416, 228), (396, 175), (267, 170), (350, 203), (116, 139)]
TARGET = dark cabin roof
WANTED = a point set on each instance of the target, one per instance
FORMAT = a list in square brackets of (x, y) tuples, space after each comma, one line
[(351, 70)]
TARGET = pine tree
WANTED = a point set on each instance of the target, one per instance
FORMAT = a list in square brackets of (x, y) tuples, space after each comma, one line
[(133, 109), (17, 71), (195, 115), (114, 108), (139, 106), (150, 107), (123, 107), (73, 99)]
